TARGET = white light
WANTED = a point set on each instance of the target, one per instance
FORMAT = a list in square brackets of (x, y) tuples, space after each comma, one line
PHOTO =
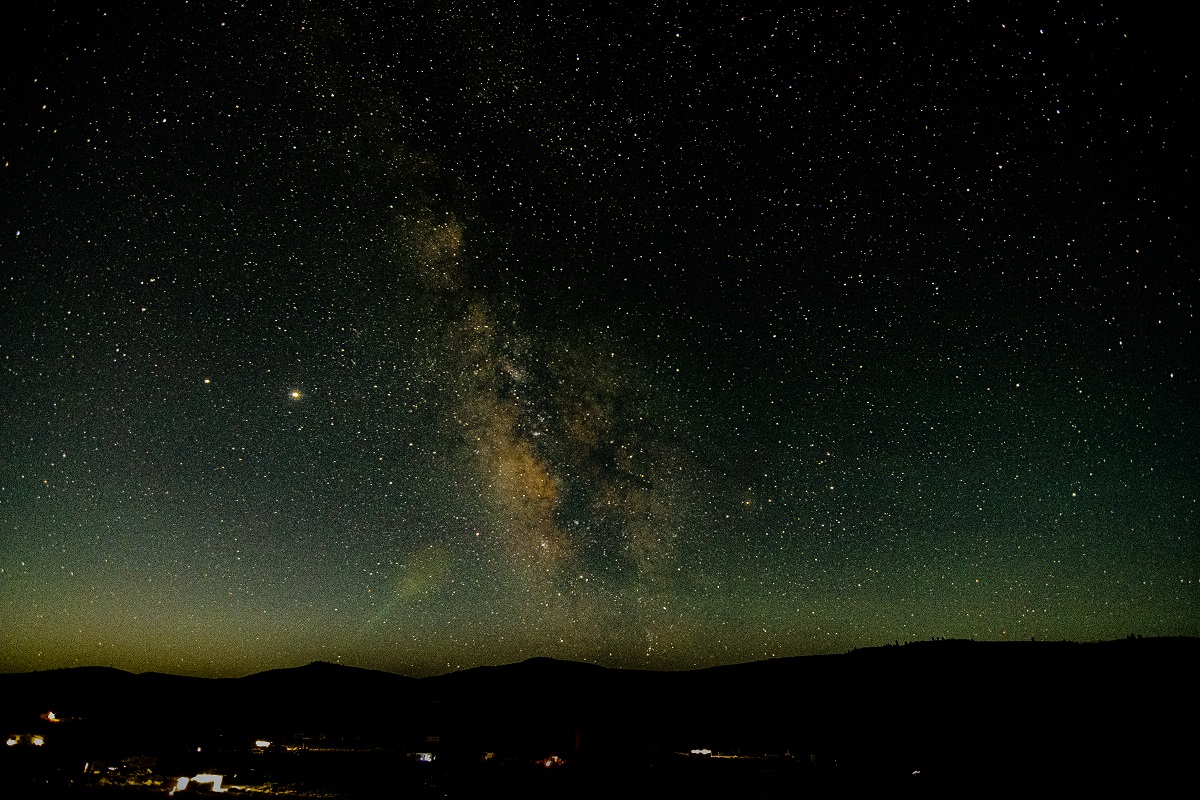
[(215, 780)]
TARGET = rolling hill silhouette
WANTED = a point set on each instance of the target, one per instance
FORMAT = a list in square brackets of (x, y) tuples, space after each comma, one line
[(952, 710)]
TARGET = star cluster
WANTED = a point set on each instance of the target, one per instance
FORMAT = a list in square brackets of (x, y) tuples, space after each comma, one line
[(435, 335)]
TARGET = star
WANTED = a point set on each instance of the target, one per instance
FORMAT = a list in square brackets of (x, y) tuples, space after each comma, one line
[(712, 327)]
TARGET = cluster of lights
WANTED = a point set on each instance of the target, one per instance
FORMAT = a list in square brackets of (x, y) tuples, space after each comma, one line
[(16, 739)]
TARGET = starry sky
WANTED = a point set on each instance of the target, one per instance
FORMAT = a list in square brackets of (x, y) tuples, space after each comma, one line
[(425, 335)]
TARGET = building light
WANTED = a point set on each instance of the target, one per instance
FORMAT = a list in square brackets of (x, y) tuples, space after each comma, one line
[(203, 777)]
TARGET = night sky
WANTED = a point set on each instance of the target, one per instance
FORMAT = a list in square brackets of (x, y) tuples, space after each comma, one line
[(419, 336)]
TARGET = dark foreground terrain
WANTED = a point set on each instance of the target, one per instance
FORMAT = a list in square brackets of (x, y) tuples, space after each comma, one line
[(946, 716)]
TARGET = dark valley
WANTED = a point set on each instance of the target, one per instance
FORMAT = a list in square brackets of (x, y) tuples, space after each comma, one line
[(939, 715)]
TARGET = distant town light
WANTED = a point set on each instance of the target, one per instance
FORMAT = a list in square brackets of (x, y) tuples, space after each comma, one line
[(204, 777), (35, 739), (215, 780)]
